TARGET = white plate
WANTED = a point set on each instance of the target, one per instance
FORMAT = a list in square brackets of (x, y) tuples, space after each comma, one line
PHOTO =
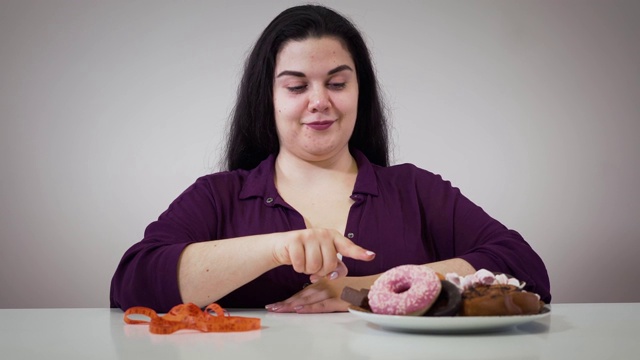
[(448, 324)]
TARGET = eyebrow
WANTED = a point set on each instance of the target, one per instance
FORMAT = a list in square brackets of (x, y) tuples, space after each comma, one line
[(301, 74)]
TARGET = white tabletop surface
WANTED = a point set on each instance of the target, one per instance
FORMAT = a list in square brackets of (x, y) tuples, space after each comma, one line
[(572, 331)]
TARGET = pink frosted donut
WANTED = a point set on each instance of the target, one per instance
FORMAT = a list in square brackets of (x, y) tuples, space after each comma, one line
[(405, 290)]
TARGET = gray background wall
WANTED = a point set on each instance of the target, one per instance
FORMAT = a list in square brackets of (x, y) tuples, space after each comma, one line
[(109, 109)]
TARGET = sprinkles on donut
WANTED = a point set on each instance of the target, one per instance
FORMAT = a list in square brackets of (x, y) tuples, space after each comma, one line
[(405, 290)]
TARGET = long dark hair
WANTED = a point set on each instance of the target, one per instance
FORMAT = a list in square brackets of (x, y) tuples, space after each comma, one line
[(252, 132)]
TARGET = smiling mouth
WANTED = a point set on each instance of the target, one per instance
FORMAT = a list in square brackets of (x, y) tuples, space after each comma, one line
[(320, 125)]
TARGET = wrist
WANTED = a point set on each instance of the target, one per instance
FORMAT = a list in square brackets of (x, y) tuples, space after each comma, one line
[(280, 245)]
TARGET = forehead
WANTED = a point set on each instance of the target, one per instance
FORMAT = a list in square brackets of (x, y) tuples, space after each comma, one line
[(313, 51)]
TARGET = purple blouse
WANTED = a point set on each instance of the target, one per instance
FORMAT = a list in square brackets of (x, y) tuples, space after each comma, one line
[(404, 214)]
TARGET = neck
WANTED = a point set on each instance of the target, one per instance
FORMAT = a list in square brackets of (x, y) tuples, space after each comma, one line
[(291, 168)]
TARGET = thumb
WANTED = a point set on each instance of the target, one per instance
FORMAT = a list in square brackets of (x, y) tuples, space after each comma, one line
[(340, 271)]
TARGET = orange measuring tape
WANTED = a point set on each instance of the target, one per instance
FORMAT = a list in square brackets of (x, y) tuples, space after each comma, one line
[(189, 316)]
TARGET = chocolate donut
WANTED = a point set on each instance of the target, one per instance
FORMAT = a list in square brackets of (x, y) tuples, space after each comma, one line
[(355, 297), (448, 302)]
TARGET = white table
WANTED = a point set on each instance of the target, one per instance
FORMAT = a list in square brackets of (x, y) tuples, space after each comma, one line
[(573, 331)]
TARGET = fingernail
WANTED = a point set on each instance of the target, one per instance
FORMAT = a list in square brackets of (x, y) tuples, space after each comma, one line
[(296, 308), (369, 253), (333, 275), (272, 307)]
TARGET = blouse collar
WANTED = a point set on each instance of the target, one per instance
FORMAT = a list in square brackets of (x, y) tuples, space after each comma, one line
[(260, 180)]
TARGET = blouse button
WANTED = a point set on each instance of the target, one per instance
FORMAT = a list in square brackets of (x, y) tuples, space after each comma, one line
[(350, 235), (269, 200)]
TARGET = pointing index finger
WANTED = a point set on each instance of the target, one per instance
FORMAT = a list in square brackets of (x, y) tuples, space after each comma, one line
[(347, 248)]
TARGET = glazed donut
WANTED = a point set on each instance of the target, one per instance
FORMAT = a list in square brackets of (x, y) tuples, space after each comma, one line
[(405, 290), (499, 300)]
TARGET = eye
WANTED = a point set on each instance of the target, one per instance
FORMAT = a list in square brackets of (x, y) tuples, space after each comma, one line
[(297, 89), (336, 86)]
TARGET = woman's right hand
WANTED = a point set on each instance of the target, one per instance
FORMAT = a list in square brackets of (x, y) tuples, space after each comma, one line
[(315, 252)]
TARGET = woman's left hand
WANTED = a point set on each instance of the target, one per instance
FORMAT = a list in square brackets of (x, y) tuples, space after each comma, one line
[(322, 296)]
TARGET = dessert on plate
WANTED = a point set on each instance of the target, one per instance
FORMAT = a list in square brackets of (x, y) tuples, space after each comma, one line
[(417, 290)]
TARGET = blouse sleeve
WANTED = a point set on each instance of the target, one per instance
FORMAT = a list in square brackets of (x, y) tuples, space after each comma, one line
[(459, 228), (147, 273)]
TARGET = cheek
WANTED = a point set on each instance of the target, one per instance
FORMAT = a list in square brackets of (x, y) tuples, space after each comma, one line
[(348, 105), (282, 106), (277, 106)]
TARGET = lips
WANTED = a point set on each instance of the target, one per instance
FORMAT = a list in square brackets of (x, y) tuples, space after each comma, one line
[(320, 125)]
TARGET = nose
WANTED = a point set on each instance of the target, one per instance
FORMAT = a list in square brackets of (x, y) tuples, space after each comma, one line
[(319, 101)]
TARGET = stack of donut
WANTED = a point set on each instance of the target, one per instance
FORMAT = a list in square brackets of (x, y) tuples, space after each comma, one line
[(416, 290)]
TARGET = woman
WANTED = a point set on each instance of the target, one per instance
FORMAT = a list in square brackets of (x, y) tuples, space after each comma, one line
[(309, 195)]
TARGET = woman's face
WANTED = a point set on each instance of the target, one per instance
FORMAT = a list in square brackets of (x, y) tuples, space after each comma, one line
[(315, 96)]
